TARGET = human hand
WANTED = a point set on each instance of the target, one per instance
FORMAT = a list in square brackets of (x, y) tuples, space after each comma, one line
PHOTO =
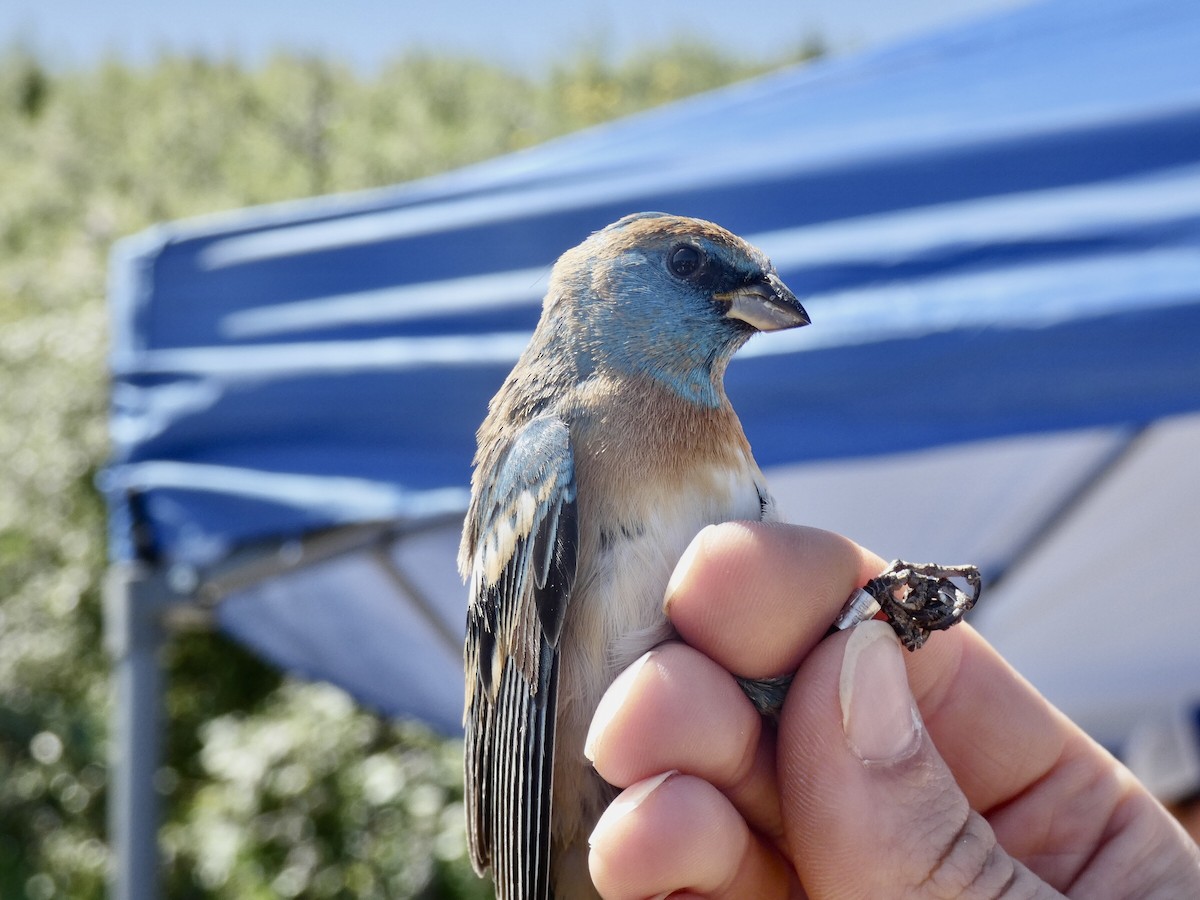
[(977, 788)]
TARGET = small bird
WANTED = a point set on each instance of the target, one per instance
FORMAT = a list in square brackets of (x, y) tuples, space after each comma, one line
[(608, 447)]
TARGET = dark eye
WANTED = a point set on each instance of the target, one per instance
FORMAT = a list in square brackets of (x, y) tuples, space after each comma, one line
[(685, 261)]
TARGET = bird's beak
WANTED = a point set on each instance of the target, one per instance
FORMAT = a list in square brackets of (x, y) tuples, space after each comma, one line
[(767, 304)]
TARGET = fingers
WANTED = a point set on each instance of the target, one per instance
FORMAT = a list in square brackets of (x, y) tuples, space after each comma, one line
[(679, 710), (869, 805), (1056, 801), (995, 731), (676, 709), (676, 834), (756, 597), (966, 784)]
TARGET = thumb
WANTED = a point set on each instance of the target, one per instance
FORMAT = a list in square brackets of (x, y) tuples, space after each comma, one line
[(870, 807)]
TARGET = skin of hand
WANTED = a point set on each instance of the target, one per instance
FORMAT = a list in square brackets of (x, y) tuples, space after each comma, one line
[(940, 773)]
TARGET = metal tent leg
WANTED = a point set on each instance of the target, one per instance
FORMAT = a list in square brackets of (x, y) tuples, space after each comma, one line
[(135, 598)]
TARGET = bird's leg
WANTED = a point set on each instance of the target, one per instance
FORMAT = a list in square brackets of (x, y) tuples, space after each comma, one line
[(767, 694), (917, 599)]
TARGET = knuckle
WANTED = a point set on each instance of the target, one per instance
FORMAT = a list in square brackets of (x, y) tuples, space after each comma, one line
[(972, 865)]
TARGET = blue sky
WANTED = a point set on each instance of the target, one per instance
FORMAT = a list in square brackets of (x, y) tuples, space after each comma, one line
[(526, 34)]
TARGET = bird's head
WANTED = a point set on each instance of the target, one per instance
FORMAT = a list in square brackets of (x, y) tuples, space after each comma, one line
[(670, 297)]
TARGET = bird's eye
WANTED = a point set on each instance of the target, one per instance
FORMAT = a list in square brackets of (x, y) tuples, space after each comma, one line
[(685, 261)]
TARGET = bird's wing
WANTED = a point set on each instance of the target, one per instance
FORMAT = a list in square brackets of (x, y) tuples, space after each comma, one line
[(523, 565)]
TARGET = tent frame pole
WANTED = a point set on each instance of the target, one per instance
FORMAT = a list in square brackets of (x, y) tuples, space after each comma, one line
[(143, 604), (136, 596)]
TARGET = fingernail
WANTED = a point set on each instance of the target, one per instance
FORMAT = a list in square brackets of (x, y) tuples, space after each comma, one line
[(679, 576), (879, 715), (629, 800), (612, 701)]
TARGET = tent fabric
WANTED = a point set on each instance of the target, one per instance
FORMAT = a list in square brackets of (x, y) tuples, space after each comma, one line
[(1122, 611), (994, 227)]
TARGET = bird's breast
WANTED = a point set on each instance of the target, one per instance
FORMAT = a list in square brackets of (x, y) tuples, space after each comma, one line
[(616, 612), (650, 473), (634, 564)]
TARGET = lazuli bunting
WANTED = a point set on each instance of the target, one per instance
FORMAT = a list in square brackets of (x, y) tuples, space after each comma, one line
[(609, 446)]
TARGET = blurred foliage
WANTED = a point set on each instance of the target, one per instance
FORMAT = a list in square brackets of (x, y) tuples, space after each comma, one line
[(273, 788)]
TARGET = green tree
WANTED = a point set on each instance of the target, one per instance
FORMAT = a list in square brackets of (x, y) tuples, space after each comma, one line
[(274, 788)]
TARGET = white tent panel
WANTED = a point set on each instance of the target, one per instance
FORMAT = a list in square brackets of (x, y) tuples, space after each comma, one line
[(1104, 616)]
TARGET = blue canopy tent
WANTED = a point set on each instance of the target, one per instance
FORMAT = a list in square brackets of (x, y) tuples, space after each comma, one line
[(996, 229)]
